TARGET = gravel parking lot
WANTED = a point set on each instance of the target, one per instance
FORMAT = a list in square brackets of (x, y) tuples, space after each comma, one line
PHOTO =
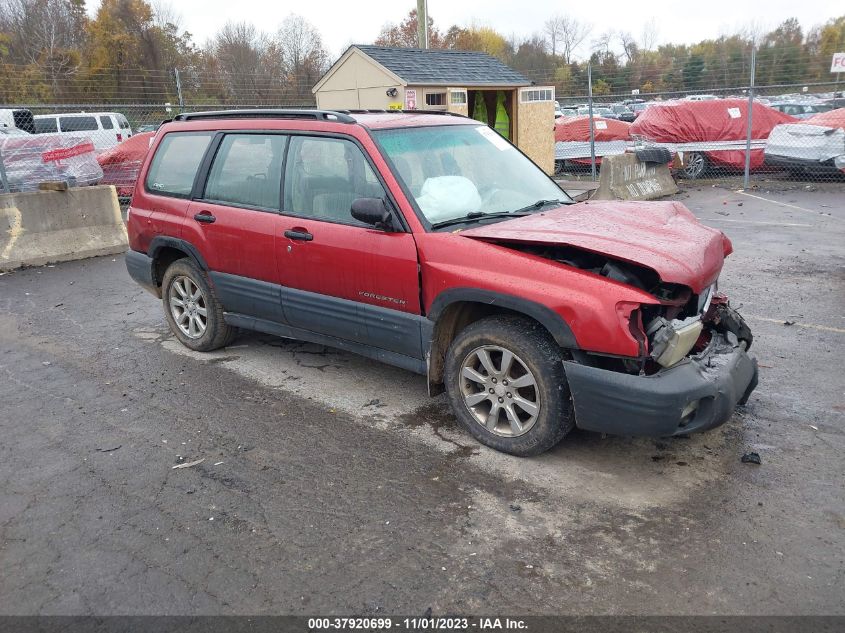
[(332, 484)]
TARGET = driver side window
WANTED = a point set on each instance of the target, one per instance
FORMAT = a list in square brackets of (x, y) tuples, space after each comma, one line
[(324, 176)]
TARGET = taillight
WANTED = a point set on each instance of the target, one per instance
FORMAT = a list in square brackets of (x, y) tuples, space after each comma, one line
[(119, 138)]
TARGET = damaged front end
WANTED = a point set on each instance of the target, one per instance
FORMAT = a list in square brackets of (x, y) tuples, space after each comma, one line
[(696, 371), (693, 368)]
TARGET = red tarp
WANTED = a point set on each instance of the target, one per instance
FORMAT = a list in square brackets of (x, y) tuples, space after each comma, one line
[(578, 129), (833, 118), (716, 120), (122, 163)]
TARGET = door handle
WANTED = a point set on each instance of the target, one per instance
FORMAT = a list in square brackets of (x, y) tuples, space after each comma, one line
[(299, 234), (205, 217)]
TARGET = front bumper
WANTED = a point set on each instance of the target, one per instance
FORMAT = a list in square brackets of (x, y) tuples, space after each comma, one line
[(721, 377)]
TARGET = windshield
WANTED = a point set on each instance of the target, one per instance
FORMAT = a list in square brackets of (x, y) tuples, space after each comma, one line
[(458, 170)]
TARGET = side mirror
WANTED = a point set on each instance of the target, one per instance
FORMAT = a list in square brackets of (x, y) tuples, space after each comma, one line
[(372, 211)]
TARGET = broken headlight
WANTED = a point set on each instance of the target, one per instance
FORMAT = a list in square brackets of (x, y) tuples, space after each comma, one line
[(672, 340)]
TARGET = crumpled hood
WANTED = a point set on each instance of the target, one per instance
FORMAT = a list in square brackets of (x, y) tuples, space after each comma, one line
[(663, 236)]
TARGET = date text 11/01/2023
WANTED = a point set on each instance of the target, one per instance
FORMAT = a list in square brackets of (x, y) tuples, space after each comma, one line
[(416, 624)]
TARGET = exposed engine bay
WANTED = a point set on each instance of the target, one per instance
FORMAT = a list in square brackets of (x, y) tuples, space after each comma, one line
[(681, 325)]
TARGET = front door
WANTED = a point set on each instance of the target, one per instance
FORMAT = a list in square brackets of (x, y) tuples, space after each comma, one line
[(340, 277)]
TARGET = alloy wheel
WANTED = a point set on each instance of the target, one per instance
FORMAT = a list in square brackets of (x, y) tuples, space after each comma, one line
[(188, 307), (499, 391)]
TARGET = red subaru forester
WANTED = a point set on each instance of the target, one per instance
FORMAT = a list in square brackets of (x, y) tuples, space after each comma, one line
[(429, 242)]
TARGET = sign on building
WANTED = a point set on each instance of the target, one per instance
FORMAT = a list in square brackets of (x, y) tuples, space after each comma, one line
[(410, 99)]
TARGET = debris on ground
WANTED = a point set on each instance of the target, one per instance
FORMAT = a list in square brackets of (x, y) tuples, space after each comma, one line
[(789, 323), (516, 507), (109, 449), (751, 458), (189, 464)]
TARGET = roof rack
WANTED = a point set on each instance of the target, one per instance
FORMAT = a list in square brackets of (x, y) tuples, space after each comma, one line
[(319, 115), (377, 111)]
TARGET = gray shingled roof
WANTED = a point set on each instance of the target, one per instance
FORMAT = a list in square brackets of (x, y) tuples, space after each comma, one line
[(437, 67)]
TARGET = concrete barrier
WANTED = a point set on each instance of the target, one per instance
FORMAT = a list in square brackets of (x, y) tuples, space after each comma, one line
[(625, 177), (43, 227)]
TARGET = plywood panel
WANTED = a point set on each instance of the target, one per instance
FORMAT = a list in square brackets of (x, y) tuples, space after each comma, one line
[(535, 132)]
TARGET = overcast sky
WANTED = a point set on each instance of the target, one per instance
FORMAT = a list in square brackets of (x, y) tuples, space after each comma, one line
[(342, 22)]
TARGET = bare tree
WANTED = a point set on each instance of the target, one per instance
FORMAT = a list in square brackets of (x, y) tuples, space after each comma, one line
[(650, 34), (553, 29), (164, 15), (301, 48), (572, 35), (239, 51), (629, 46), (602, 43), (753, 31), (45, 33)]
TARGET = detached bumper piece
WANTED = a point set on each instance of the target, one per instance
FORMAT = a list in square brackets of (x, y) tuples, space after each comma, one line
[(699, 393)]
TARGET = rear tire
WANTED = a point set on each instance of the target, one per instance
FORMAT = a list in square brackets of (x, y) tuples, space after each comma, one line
[(509, 368), (191, 308)]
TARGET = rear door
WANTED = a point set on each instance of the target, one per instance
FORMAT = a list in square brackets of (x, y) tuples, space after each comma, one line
[(343, 278), (235, 221), (160, 207)]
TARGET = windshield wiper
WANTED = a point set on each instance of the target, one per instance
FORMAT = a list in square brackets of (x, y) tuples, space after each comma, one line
[(536, 206), (477, 215)]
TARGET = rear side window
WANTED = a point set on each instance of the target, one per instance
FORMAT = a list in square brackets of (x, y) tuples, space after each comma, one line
[(45, 126), (78, 123), (107, 123), (121, 120), (175, 163), (247, 171)]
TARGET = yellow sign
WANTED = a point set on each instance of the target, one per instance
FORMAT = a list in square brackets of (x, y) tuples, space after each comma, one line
[(394, 106)]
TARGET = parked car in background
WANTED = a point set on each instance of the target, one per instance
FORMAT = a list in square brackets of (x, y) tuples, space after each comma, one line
[(598, 111), (431, 243), (800, 110), (623, 112), (6, 132), (121, 164), (712, 122), (572, 137), (105, 129), (815, 145), (700, 98), (19, 118), (30, 159), (639, 108), (147, 128)]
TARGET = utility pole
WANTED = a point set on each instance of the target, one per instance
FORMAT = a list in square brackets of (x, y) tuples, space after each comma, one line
[(422, 23)]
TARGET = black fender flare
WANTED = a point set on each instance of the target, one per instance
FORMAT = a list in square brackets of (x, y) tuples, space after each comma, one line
[(548, 318)]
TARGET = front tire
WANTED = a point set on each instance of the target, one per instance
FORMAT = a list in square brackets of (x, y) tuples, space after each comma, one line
[(191, 308), (507, 386)]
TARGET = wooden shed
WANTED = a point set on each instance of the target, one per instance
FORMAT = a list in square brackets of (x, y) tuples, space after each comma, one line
[(466, 82)]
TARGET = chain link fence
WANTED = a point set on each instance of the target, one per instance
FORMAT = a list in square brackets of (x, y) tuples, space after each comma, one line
[(742, 134)]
